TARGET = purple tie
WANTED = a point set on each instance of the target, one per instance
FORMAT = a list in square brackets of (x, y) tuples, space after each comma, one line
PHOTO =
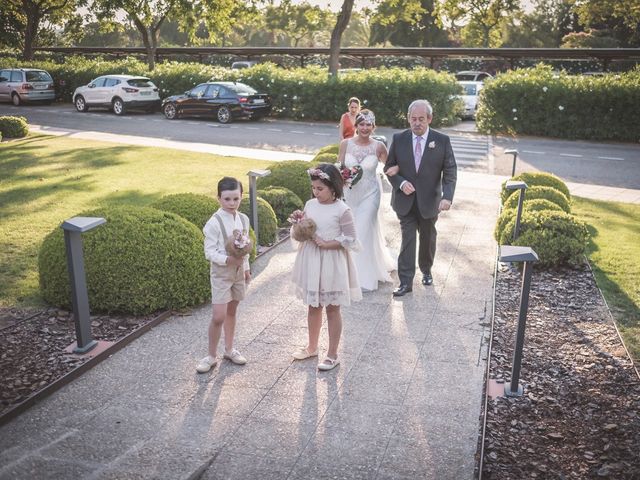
[(417, 155)]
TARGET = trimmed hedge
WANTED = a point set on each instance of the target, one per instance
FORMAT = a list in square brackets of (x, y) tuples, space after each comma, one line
[(333, 148), (196, 208), (290, 174), (557, 237), (326, 158), (548, 193), (283, 201), (539, 101), (534, 205), (141, 261), (537, 179), (267, 221), (300, 93), (13, 127)]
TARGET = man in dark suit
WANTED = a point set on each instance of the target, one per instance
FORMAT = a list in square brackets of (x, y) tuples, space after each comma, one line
[(422, 187)]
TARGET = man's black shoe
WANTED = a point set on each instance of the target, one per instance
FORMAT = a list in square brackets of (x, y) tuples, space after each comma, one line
[(427, 279), (402, 290)]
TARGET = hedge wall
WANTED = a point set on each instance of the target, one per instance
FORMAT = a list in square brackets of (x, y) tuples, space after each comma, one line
[(300, 93), (539, 101)]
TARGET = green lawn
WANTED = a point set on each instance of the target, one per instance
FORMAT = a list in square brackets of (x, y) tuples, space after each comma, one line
[(614, 252), (45, 180)]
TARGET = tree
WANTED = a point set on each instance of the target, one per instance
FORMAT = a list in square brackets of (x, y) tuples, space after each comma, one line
[(32, 20), (590, 39), (619, 19), (294, 22), (413, 24), (543, 27), (336, 36), (482, 18)]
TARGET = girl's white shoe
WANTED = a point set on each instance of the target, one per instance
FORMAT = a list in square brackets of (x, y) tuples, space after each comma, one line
[(302, 353), (328, 364)]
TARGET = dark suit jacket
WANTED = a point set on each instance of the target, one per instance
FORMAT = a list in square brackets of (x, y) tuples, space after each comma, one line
[(435, 180)]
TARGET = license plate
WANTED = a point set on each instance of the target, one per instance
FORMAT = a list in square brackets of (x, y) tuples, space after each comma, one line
[(40, 87), (145, 93), (258, 100)]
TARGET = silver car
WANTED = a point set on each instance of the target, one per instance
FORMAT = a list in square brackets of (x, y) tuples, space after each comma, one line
[(25, 85)]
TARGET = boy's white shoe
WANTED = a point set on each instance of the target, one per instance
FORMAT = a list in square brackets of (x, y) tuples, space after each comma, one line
[(235, 356), (206, 364)]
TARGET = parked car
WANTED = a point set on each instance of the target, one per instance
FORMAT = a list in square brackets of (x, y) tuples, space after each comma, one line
[(224, 101), (470, 97), (118, 93), (243, 64), (25, 85), (472, 76)]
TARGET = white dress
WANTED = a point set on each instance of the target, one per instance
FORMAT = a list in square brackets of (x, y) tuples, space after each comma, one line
[(373, 261), (324, 277)]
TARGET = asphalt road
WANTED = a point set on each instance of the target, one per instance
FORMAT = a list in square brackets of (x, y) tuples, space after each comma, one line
[(610, 164)]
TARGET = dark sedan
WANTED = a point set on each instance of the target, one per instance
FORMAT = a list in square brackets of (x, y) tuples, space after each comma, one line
[(225, 101)]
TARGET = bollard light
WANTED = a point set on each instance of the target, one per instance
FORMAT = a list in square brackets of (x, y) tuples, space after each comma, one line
[(253, 198), (509, 253), (516, 185), (73, 228), (515, 156)]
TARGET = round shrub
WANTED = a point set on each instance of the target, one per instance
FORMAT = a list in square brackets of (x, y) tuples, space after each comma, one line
[(290, 174), (267, 221), (548, 193), (535, 205), (14, 127), (325, 158), (557, 237), (196, 208), (283, 201), (141, 261), (333, 148), (538, 179)]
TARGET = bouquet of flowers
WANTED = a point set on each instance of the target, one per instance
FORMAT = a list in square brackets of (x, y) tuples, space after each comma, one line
[(350, 175), (302, 228), (238, 244)]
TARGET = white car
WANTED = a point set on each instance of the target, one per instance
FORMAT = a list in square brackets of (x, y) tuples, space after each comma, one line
[(472, 76), (118, 93), (470, 97)]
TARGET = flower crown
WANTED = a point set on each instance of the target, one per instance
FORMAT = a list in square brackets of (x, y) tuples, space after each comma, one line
[(368, 117), (316, 172)]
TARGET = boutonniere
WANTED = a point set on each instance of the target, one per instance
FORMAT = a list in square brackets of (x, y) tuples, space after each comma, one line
[(432, 144)]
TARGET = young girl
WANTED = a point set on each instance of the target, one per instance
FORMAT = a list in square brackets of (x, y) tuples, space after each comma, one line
[(324, 273), (229, 275)]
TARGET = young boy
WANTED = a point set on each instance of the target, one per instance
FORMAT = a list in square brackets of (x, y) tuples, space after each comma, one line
[(229, 275)]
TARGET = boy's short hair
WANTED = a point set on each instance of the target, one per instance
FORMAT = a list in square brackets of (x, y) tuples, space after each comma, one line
[(229, 183)]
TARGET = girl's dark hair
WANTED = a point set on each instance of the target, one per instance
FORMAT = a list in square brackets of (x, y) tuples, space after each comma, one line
[(353, 99), (334, 182), (228, 183)]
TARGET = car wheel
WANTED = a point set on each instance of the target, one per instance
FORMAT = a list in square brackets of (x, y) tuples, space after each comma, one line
[(15, 99), (170, 111), (81, 104), (118, 106), (224, 114)]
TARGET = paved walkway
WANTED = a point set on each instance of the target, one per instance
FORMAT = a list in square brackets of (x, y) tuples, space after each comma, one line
[(404, 403)]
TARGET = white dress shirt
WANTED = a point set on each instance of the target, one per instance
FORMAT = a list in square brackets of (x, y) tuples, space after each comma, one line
[(214, 249)]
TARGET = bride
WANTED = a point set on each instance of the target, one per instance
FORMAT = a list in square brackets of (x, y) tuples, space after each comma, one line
[(374, 261)]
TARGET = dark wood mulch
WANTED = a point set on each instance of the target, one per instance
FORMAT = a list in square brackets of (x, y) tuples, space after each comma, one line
[(579, 416), (32, 344)]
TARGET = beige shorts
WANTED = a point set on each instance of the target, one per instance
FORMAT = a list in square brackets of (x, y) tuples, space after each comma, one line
[(227, 283)]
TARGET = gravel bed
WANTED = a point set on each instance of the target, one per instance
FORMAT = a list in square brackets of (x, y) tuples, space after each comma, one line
[(579, 416), (32, 344)]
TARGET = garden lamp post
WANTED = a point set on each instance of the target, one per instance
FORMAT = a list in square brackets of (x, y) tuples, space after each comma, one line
[(515, 157), (253, 198), (73, 228), (517, 185), (509, 253)]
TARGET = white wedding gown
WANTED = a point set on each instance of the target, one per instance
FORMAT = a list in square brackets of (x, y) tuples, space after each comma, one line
[(373, 261)]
